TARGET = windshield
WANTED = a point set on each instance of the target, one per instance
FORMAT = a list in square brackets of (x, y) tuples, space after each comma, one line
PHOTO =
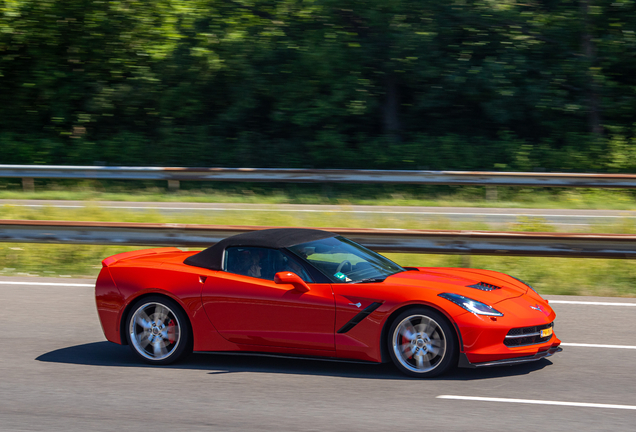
[(343, 260)]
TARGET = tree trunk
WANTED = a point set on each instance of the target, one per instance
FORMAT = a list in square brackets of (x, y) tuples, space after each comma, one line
[(390, 110), (592, 88)]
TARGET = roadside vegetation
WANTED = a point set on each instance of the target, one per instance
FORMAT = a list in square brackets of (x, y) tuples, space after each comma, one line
[(480, 85), (611, 278), (468, 85), (547, 275), (334, 194)]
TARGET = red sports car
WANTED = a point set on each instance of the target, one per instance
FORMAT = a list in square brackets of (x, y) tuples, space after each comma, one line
[(305, 292)]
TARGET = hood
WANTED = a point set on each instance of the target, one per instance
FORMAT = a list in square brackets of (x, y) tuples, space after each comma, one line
[(482, 285)]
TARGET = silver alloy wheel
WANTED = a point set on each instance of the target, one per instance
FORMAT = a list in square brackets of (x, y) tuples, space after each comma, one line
[(419, 343), (155, 331)]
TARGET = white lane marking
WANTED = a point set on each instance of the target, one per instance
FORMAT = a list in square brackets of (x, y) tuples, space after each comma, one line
[(47, 284), (44, 205), (598, 346), (590, 303), (327, 211), (538, 402)]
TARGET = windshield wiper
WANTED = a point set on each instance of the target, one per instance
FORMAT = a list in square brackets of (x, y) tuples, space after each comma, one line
[(376, 279), (373, 279)]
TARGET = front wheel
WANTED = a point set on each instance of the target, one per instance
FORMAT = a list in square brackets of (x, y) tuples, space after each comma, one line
[(158, 331), (422, 343)]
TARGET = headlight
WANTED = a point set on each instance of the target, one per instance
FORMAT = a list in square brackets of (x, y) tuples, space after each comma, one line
[(471, 305), (525, 283)]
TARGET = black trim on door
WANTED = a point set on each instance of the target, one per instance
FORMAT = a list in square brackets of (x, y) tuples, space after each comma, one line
[(359, 317)]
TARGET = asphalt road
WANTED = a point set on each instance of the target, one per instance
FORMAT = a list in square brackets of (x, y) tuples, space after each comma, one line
[(561, 218), (58, 373)]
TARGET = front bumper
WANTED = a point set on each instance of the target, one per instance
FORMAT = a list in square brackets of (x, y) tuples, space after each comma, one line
[(464, 363)]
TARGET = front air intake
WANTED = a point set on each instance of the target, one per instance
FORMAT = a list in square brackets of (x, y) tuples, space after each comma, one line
[(521, 336)]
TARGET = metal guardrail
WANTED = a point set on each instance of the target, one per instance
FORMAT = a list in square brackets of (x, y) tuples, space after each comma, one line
[(381, 240), (175, 174)]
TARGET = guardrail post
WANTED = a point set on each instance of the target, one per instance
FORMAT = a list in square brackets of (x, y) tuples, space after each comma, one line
[(28, 185), (173, 185)]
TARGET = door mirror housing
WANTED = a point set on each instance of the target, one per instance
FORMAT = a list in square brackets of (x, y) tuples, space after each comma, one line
[(287, 277)]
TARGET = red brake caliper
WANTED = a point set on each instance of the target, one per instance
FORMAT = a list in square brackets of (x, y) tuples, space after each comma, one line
[(171, 332), (406, 341)]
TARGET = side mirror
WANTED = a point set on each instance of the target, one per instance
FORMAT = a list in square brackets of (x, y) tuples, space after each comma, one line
[(287, 277)]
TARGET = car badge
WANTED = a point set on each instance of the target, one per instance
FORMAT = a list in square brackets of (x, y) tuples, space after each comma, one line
[(537, 308), (356, 304)]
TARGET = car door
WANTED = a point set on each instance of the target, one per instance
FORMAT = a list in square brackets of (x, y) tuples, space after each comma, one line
[(247, 307)]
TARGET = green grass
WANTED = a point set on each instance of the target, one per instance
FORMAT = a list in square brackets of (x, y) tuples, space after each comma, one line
[(601, 277), (235, 217), (549, 275), (342, 194), (302, 219), (564, 276)]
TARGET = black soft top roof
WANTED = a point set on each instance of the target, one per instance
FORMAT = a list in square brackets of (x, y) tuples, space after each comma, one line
[(275, 238)]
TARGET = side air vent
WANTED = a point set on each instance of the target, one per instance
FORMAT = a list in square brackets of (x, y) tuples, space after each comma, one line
[(484, 286)]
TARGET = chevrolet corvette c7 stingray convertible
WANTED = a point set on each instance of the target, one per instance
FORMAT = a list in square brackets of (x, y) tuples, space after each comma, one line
[(312, 293)]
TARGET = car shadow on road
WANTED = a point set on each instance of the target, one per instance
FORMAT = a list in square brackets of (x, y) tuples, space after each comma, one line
[(112, 355)]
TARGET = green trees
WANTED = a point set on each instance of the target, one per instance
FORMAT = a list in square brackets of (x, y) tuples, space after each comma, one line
[(481, 84)]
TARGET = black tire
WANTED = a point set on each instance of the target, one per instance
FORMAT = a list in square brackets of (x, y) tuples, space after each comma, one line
[(421, 343), (158, 331)]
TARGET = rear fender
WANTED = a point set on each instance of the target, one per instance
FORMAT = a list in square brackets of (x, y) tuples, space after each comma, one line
[(136, 254), (205, 336), (139, 295)]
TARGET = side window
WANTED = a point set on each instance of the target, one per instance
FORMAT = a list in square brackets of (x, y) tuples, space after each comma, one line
[(247, 261), (291, 264), (261, 263)]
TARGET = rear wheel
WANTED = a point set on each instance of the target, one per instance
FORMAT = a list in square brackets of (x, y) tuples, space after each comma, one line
[(422, 343), (158, 331)]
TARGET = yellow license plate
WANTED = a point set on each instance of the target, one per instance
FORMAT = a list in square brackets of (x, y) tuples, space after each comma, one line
[(546, 332)]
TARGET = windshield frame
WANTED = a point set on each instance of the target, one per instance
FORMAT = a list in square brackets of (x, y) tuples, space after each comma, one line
[(367, 255)]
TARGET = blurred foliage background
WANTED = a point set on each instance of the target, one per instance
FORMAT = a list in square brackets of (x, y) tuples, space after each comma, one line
[(459, 84)]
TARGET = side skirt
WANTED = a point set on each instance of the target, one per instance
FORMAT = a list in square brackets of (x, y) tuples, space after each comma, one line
[(286, 356)]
